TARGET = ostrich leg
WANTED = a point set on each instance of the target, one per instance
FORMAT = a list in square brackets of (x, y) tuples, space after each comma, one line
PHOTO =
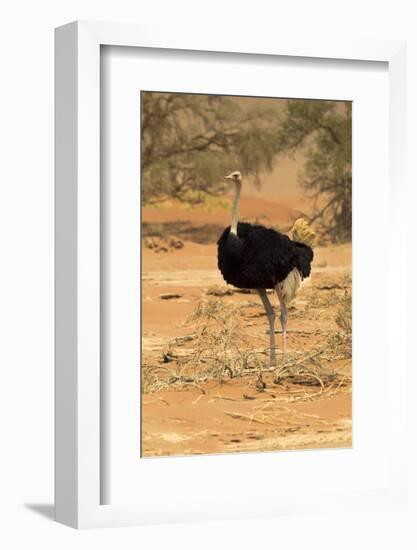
[(271, 319), (283, 318)]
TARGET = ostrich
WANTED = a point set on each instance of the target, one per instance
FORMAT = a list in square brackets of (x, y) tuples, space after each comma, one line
[(255, 257)]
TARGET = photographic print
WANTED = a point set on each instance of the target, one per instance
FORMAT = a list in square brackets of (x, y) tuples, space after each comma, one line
[(246, 274)]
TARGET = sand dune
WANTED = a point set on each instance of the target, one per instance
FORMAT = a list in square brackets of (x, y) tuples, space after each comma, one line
[(280, 211)]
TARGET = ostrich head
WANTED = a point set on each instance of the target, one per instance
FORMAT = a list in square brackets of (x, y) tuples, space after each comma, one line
[(236, 177)]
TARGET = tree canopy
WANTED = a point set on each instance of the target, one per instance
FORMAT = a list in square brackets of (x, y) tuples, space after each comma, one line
[(189, 142), (323, 129)]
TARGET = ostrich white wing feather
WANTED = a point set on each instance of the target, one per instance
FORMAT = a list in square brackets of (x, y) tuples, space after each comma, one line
[(289, 286)]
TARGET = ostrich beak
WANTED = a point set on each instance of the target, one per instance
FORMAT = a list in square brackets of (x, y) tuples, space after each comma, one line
[(229, 177)]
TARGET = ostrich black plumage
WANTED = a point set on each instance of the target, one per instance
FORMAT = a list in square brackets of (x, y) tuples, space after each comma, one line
[(255, 257)]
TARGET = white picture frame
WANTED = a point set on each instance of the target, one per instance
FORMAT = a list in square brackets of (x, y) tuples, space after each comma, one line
[(78, 411)]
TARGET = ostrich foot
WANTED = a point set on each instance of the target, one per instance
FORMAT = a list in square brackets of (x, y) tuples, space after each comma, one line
[(272, 359), (260, 384), (277, 379)]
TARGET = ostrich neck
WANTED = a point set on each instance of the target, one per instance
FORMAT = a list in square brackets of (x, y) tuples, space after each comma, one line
[(235, 208)]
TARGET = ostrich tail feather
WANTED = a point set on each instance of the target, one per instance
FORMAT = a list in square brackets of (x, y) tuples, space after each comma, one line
[(302, 233)]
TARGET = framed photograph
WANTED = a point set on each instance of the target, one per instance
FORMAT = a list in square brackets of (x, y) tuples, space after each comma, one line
[(229, 325)]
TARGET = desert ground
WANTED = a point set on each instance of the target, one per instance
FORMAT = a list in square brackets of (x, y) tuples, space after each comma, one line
[(206, 385)]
